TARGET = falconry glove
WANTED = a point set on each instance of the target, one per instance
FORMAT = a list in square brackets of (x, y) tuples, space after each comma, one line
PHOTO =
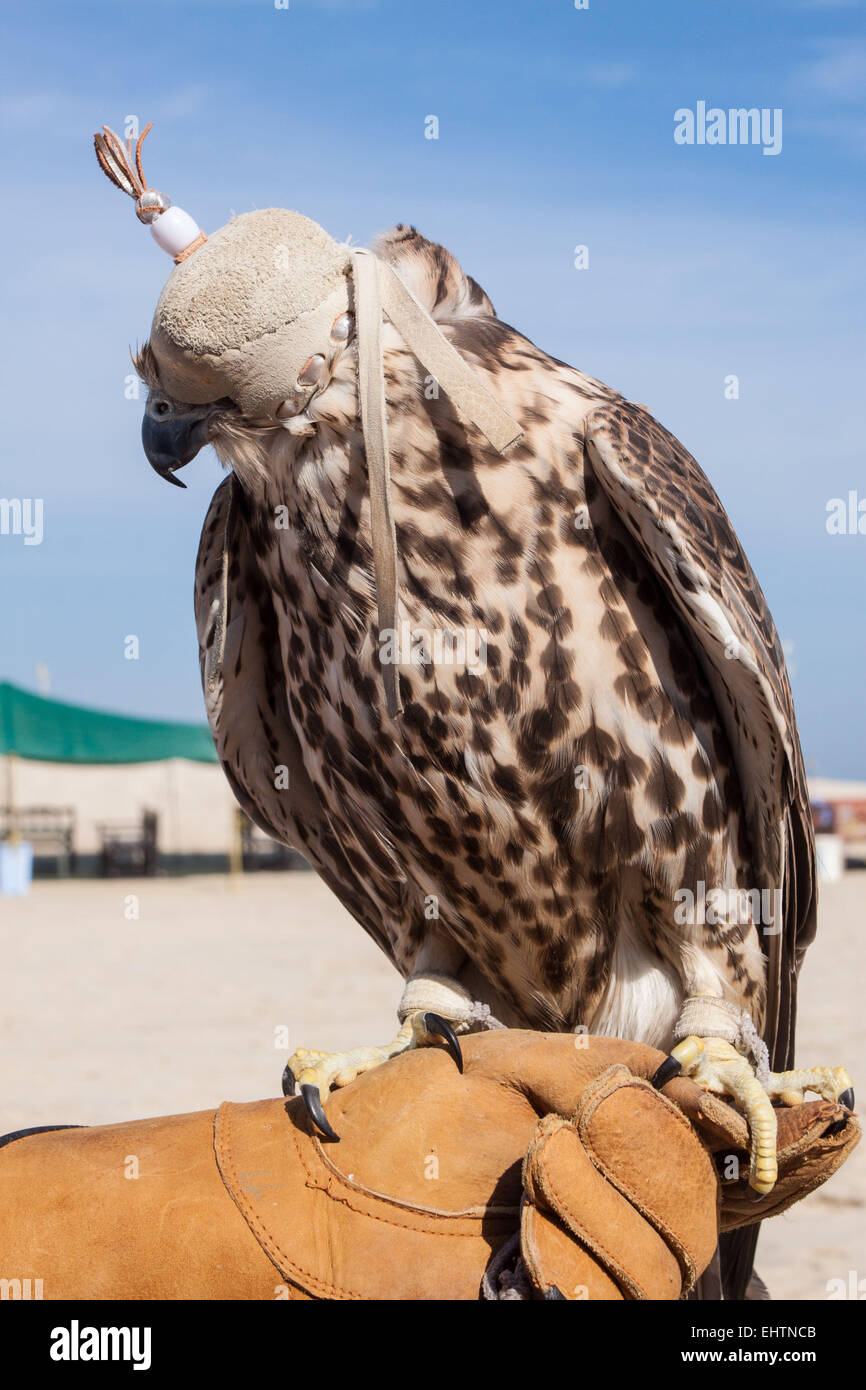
[(550, 1168)]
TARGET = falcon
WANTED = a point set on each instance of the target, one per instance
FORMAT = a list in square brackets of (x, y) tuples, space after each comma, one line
[(566, 790)]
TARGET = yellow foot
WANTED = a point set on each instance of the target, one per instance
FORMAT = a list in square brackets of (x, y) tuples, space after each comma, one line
[(719, 1067), (315, 1073)]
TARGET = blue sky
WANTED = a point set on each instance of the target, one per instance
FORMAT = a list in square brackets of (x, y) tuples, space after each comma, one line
[(555, 129)]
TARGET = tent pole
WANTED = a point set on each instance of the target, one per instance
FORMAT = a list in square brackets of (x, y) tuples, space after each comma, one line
[(236, 851), (10, 798)]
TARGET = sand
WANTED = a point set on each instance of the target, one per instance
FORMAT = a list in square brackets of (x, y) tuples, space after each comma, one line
[(202, 996)]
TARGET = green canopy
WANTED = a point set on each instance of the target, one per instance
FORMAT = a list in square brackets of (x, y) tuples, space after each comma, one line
[(53, 732)]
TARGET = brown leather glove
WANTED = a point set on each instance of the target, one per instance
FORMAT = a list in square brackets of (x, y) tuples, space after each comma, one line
[(621, 1200), (426, 1182), (426, 1186)]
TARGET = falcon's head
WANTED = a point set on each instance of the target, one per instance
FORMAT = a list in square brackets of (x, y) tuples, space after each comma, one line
[(174, 431), (249, 341), (253, 344), (248, 332)]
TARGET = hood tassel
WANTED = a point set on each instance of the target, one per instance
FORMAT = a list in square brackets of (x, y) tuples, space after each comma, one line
[(171, 228)]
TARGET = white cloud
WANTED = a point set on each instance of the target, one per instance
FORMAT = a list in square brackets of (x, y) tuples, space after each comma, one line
[(186, 101), (848, 132), (840, 72), (610, 74), (27, 107)]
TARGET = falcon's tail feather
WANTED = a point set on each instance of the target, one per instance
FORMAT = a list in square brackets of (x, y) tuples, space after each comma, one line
[(737, 1258)]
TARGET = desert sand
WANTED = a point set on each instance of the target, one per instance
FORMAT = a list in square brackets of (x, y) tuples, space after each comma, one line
[(201, 996)]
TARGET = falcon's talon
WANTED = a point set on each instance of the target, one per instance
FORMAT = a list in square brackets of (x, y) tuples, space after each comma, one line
[(315, 1110), (441, 1028), (288, 1083), (669, 1068), (830, 1083), (316, 1073), (719, 1067)]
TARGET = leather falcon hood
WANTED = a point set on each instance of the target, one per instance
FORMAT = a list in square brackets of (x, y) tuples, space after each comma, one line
[(242, 316)]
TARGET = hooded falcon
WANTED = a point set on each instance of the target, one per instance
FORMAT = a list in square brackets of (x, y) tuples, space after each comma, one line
[(516, 694)]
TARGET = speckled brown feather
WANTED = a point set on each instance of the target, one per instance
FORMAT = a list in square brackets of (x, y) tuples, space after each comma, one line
[(681, 527), (560, 895)]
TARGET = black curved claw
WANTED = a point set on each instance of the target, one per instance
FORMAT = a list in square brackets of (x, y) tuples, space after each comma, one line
[(313, 1106), (669, 1068), (288, 1081), (441, 1028), (846, 1099), (554, 1295)]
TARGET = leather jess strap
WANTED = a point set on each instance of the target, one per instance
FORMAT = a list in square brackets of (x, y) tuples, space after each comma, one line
[(378, 287)]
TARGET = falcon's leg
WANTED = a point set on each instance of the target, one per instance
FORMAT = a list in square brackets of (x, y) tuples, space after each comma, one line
[(719, 1065), (434, 1009)]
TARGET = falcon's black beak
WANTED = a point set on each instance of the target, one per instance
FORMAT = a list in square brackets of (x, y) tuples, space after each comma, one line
[(172, 435)]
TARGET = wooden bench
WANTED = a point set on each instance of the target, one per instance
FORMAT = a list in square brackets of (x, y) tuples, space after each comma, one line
[(43, 827), (129, 847)]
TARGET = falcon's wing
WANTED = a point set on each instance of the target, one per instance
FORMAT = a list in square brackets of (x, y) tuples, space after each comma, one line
[(247, 708), (672, 512)]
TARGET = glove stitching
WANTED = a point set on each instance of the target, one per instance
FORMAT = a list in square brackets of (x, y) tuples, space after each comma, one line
[(388, 1221), (475, 1213), (274, 1249), (268, 1243)]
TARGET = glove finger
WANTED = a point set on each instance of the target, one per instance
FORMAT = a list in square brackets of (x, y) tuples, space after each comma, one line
[(552, 1069), (649, 1150), (631, 1182), (582, 1236)]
